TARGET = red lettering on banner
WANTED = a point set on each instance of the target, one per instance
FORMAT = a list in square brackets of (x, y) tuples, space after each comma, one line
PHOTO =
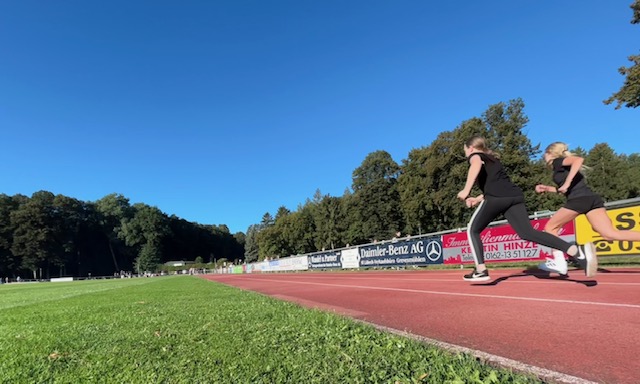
[(453, 242), (491, 248), (520, 245), (489, 238)]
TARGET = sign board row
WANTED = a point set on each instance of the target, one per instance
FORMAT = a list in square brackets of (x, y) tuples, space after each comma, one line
[(501, 244)]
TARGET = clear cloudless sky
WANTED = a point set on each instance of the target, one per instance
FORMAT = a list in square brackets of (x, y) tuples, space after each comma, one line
[(220, 111)]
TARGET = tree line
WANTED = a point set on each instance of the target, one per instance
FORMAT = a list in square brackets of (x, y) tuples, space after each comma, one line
[(49, 235), (419, 195)]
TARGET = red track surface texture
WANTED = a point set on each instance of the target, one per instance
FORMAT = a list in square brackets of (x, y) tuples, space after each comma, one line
[(588, 328)]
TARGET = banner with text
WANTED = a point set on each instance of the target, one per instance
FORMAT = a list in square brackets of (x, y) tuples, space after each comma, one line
[(294, 263), (325, 260), (501, 243), (273, 265), (402, 253)]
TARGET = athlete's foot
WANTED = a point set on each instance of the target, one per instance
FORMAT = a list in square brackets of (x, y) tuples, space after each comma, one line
[(577, 262), (477, 276), (590, 259), (557, 266)]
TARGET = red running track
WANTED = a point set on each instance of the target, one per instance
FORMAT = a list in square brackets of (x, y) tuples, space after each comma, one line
[(587, 328)]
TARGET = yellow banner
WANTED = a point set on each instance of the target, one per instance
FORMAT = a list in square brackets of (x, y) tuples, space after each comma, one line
[(622, 219)]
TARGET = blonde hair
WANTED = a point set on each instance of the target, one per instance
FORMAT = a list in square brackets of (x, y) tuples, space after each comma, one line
[(479, 143), (560, 150)]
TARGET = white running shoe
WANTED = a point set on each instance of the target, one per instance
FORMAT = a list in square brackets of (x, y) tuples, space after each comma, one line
[(591, 259), (556, 266)]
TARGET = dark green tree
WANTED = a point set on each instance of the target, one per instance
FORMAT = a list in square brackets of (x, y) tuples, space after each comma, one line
[(34, 238), (8, 263), (114, 210), (251, 248), (329, 218), (607, 173), (240, 239), (629, 93), (146, 231), (282, 213), (70, 216), (297, 230), (225, 245), (148, 257), (375, 204), (267, 220), (271, 243), (633, 175)]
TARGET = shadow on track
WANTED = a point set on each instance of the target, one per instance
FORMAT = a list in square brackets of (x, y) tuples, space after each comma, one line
[(539, 274)]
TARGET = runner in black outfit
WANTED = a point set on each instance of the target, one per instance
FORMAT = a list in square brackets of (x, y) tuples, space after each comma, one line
[(580, 200), (500, 196)]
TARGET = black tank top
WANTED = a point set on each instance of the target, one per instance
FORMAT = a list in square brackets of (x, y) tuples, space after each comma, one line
[(578, 187), (493, 180)]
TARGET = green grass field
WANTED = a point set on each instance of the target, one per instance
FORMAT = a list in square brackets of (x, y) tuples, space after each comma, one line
[(184, 329)]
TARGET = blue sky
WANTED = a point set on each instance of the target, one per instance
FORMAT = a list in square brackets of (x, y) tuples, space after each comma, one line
[(220, 111)]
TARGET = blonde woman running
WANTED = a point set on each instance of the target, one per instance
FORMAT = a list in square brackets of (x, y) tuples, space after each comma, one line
[(580, 200)]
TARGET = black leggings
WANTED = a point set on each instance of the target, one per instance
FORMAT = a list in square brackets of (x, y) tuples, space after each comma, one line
[(515, 211)]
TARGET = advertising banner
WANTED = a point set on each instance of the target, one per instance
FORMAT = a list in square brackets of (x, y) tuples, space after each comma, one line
[(501, 243), (622, 219), (402, 253), (294, 263), (260, 266), (325, 260), (350, 258), (273, 265)]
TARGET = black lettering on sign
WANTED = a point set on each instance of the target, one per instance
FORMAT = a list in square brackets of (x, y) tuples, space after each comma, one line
[(626, 221), (625, 246), (603, 245)]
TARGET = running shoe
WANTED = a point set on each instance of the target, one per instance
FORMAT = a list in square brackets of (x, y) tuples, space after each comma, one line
[(576, 261), (579, 260), (591, 259), (477, 276), (557, 266)]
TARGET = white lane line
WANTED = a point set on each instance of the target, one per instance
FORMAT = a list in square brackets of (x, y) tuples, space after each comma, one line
[(596, 303)]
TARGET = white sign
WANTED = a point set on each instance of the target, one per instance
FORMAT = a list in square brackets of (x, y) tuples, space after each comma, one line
[(350, 258)]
